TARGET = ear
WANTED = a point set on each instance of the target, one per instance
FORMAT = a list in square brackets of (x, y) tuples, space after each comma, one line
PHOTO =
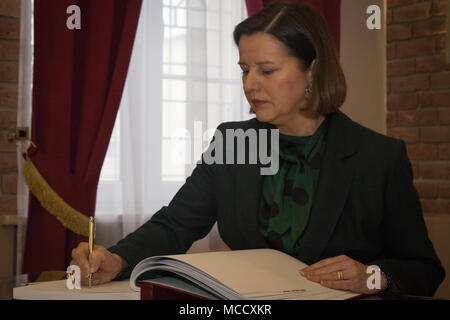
[(310, 71)]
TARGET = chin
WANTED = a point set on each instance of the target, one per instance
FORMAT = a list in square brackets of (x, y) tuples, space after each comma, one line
[(263, 117)]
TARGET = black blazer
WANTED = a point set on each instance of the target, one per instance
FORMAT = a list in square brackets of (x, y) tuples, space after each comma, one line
[(365, 207)]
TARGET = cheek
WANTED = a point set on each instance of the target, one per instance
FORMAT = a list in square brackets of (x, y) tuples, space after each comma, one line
[(289, 89)]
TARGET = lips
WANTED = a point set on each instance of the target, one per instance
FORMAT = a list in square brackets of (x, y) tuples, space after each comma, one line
[(257, 103)]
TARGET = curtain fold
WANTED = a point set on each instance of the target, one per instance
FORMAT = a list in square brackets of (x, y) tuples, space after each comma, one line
[(78, 81), (330, 9)]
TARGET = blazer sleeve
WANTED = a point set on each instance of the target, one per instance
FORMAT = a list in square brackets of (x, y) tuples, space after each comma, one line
[(409, 256), (189, 216)]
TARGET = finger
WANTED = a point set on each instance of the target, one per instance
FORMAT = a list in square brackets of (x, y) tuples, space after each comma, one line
[(340, 284), (331, 268), (95, 260), (323, 263), (97, 278), (332, 265), (80, 257), (347, 274)]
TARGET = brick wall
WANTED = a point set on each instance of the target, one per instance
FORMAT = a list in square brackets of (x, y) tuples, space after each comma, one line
[(418, 98), (9, 66)]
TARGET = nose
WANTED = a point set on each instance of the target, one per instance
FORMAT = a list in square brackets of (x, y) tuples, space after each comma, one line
[(251, 82)]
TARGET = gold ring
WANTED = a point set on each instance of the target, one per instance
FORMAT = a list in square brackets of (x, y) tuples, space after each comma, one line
[(340, 275)]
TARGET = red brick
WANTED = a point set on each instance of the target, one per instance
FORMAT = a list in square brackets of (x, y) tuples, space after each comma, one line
[(389, 17), (413, 12), (441, 44), (430, 27), (439, 8), (9, 71), (396, 3), (416, 169), (435, 170), (422, 151), (8, 96), (9, 184), (391, 119), (8, 204), (437, 206), (10, 8), (417, 117), (8, 120), (444, 190), (398, 32), (8, 162), (402, 101), (416, 47), (427, 190), (410, 83), (9, 28), (444, 116), (391, 51), (407, 134), (432, 63), (435, 134), (9, 50), (400, 67), (434, 99), (5, 145), (440, 80), (444, 151)]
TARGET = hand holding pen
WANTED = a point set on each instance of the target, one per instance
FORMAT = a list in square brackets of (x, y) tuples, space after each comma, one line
[(96, 263)]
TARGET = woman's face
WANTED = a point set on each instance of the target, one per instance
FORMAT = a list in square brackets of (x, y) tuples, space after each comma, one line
[(274, 82)]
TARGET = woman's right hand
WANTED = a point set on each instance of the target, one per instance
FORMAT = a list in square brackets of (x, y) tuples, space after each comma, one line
[(103, 265)]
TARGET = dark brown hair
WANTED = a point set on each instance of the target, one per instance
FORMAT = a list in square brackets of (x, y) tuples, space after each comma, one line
[(303, 31)]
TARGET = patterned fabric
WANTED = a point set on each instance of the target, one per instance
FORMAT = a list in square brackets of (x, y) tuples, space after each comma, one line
[(287, 196)]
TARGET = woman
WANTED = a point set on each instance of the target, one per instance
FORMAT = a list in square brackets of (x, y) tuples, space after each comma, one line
[(342, 199)]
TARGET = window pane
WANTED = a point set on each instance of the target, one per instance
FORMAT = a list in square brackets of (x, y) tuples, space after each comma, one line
[(174, 118), (173, 159), (174, 90)]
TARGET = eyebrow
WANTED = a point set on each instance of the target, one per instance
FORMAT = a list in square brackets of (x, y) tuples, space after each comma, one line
[(258, 63)]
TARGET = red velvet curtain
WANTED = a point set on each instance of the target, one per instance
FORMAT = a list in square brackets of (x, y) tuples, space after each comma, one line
[(79, 77), (330, 9)]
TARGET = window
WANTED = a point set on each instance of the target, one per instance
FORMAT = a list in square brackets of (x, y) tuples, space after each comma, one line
[(183, 73)]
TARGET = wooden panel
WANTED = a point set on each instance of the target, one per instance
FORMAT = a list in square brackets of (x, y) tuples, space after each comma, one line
[(7, 261)]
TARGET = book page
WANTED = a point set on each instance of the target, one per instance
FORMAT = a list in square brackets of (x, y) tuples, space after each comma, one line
[(261, 274)]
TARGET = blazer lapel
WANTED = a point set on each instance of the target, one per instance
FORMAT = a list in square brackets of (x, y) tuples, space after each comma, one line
[(334, 184)]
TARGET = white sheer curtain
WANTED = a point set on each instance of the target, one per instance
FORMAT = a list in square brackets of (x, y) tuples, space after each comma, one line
[(183, 80)]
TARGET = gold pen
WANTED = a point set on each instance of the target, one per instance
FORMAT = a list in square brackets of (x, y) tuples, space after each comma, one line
[(91, 243)]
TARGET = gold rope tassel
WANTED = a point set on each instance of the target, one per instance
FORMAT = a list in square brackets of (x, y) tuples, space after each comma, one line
[(52, 202)]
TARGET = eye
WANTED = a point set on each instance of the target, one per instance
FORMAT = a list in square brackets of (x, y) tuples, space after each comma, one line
[(244, 72), (268, 72)]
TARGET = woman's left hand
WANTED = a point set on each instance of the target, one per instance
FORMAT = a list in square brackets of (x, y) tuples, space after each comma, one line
[(353, 275)]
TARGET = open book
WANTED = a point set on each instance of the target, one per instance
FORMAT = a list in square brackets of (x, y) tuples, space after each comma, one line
[(260, 274), (244, 274)]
